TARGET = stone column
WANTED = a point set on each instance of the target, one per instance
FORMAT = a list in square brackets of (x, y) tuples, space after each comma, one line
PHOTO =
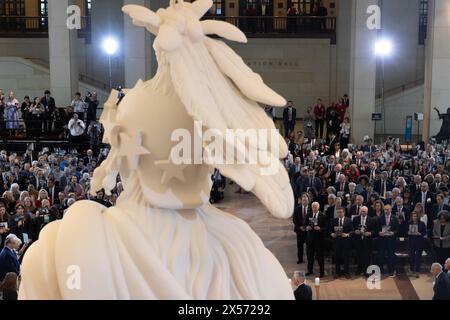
[(63, 59), (437, 66), (343, 48), (362, 71), (139, 58)]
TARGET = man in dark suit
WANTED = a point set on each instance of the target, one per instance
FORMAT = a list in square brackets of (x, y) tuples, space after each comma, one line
[(8, 257), (403, 214), (289, 119), (341, 185), (437, 184), (50, 106), (316, 229), (355, 209), (300, 217), (341, 231), (387, 231), (313, 181), (368, 147), (383, 185), (427, 199), (331, 213), (441, 286), (415, 186), (53, 191), (365, 229), (439, 206), (303, 291), (334, 176), (301, 184)]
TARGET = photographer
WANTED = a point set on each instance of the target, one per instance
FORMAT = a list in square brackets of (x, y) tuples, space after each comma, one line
[(94, 132), (76, 128)]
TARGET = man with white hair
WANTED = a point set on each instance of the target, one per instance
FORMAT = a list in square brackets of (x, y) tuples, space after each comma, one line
[(441, 286), (316, 229), (303, 292), (8, 257), (365, 228), (342, 184)]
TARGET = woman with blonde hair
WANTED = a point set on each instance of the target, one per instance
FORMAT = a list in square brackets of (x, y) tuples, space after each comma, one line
[(42, 195), (28, 205), (421, 213), (401, 184)]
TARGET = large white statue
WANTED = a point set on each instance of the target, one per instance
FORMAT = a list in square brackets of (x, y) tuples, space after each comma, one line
[(164, 240)]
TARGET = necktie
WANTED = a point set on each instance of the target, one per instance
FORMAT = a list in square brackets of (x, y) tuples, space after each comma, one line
[(388, 220), (363, 222), (304, 213), (357, 210), (340, 222)]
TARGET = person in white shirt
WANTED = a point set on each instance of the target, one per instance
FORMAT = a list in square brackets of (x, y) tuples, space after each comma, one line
[(76, 128), (78, 106)]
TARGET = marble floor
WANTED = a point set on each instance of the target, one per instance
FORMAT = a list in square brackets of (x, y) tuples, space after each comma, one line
[(278, 236)]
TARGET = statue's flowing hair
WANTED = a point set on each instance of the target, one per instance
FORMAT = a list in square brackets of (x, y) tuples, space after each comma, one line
[(219, 90)]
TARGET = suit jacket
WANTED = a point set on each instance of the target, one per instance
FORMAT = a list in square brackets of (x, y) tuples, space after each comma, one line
[(313, 236), (303, 293), (298, 219), (332, 179), (435, 210), (55, 199), (347, 227), (371, 226), (437, 234), (413, 188), (337, 186), (405, 211), (286, 115), (442, 287), (393, 224), (353, 210), (8, 263), (377, 186), (50, 104)]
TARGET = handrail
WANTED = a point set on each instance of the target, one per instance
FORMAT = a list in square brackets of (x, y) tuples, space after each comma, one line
[(402, 88)]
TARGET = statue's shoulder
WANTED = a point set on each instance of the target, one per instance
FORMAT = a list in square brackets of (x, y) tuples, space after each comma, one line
[(71, 259)]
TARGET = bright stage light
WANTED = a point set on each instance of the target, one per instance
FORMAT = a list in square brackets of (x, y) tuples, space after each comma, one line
[(383, 47), (110, 45)]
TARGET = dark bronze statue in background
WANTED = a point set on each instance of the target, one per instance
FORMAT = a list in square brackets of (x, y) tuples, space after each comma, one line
[(444, 134)]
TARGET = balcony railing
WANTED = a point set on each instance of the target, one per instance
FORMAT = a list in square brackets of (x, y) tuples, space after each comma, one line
[(35, 27), (284, 27)]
